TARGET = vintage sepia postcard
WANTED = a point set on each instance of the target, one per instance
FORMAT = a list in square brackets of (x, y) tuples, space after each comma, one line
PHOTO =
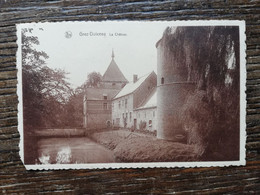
[(131, 94)]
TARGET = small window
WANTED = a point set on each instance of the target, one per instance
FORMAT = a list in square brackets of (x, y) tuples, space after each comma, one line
[(162, 80), (113, 84), (105, 106), (119, 104), (126, 103), (105, 97), (153, 113), (130, 116)]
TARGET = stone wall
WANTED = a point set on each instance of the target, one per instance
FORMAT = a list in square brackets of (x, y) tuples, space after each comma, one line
[(173, 87)]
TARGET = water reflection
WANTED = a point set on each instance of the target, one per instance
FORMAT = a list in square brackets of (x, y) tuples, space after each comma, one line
[(44, 159), (64, 156), (72, 150)]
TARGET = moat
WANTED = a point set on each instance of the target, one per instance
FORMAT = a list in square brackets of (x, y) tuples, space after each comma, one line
[(72, 150)]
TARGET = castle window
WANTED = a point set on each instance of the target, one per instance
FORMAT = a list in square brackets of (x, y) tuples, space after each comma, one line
[(162, 80)]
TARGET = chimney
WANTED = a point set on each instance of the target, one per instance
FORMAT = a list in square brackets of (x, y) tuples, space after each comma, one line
[(135, 77)]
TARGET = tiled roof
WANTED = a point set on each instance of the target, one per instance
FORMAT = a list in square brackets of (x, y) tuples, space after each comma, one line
[(131, 87), (151, 101), (113, 73)]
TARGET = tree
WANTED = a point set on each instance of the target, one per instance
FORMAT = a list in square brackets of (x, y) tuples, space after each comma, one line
[(32, 60), (94, 79), (45, 90), (46, 94)]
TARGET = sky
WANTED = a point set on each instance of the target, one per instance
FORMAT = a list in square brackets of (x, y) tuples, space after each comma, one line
[(89, 48), (91, 43)]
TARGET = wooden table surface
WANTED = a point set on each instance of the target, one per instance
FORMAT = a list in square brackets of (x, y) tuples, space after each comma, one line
[(13, 176)]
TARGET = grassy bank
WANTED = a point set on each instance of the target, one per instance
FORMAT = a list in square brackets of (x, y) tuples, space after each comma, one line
[(136, 147)]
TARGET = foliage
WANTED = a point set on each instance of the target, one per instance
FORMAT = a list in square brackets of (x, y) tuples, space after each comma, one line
[(208, 56), (45, 90), (93, 79)]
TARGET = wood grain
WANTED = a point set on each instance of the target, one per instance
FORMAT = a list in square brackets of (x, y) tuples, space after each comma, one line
[(13, 176)]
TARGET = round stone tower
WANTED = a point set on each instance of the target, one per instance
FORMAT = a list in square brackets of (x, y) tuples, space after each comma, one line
[(173, 88)]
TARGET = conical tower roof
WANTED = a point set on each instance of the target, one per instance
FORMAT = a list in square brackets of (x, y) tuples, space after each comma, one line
[(113, 73)]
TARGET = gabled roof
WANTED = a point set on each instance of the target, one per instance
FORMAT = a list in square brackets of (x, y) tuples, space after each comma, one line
[(113, 73), (131, 87), (151, 101)]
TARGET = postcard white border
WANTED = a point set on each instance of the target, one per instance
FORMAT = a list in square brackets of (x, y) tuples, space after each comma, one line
[(242, 160)]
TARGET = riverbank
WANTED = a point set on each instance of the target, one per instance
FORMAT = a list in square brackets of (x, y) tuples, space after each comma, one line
[(72, 146), (137, 147), (51, 133)]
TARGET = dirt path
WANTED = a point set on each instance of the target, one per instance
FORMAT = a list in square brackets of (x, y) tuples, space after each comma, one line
[(72, 150)]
